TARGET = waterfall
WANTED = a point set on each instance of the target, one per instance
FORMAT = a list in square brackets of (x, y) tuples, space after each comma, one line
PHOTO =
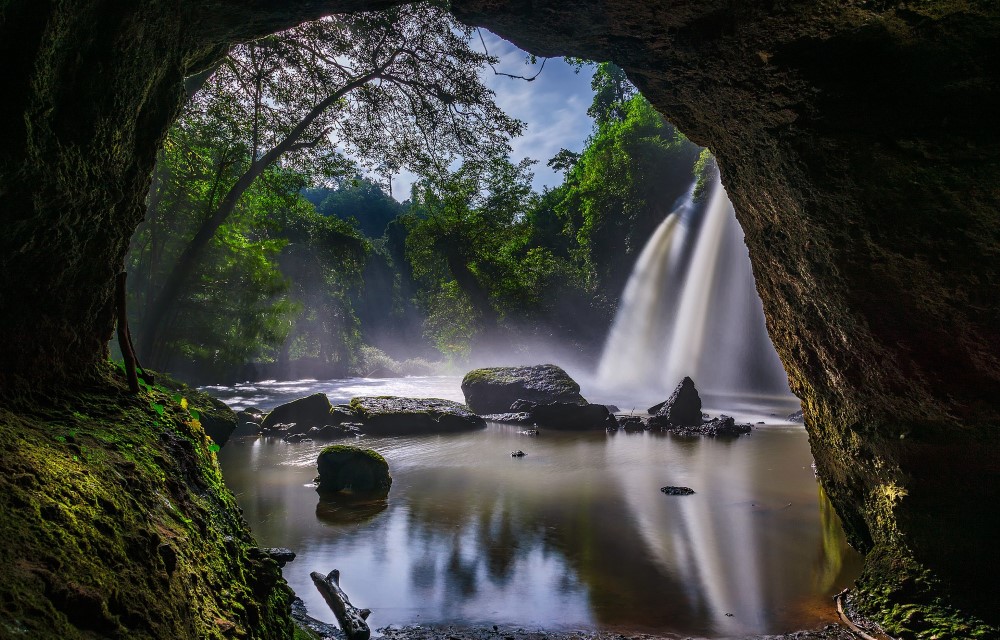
[(690, 308)]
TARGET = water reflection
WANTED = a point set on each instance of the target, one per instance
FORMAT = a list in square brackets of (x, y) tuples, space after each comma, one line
[(576, 533)]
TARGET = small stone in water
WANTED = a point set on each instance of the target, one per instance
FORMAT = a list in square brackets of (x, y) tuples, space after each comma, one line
[(517, 454), (677, 491)]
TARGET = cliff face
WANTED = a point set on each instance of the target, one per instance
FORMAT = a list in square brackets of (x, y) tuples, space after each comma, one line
[(857, 140)]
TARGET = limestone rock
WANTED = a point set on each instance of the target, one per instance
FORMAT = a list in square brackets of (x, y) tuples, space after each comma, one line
[(359, 470), (683, 407), (391, 415), (494, 389)]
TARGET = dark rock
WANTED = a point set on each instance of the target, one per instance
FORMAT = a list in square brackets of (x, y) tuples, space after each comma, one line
[(390, 415), (493, 390), (721, 426), (653, 410), (297, 437), (517, 454), (677, 491), (796, 417), (335, 431), (519, 417), (305, 413), (281, 555), (682, 408), (343, 467), (612, 408), (632, 423), (528, 432), (567, 416)]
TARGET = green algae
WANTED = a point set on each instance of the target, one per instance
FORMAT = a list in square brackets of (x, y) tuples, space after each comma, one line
[(117, 524)]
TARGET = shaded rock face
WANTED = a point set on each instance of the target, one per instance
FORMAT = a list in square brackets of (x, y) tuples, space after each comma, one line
[(566, 416), (495, 389), (310, 411), (360, 470), (858, 142), (682, 408), (389, 415)]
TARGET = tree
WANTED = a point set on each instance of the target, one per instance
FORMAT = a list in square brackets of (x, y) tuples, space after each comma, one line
[(394, 88)]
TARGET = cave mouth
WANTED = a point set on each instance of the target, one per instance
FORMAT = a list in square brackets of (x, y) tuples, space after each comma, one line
[(869, 129)]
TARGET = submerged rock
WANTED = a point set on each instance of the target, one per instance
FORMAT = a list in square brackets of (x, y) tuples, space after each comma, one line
[(517, 454), (721, 426), (516, 417), (567, 416), (677, 491), (682, 408), (343, 467), (493, 390), (335, 431), (390, 415)]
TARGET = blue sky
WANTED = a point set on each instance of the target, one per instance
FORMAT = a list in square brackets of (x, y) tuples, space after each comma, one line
[(554, 106)]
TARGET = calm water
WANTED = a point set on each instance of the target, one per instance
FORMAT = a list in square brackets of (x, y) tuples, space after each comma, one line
[(576, 534)]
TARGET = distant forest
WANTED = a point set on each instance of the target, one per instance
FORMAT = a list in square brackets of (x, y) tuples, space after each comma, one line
[(267, 253)]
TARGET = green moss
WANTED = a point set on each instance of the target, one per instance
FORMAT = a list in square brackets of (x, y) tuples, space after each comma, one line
[(343, 467), (117, 524), (347, 449)]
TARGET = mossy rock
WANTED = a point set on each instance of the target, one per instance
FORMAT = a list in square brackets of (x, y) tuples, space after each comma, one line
[(117, 524), (343, 467), (392, 416), (215, 416), (495, 389)]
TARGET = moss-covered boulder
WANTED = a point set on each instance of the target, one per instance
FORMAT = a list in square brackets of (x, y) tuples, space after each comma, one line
[(392, 416), (304, 414), (343, 467), (495, 389), (116, 523)]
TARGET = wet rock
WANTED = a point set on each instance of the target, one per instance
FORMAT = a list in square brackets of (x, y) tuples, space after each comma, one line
[(390, 415), (612, 408), (682, 408), (305, 413), (721, 426), (567, 416), (677, 491), (493, 390), (519, 417), (296, 437), (517, 454), (343, 467), (632, 424), (796, 417), (281, 555), (528, 432), (248, 423), (335, 431)]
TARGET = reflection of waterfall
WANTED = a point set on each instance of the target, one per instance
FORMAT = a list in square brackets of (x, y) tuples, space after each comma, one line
[(691, 308)]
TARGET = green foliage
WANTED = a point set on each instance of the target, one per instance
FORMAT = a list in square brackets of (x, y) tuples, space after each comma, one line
[(358, 199)]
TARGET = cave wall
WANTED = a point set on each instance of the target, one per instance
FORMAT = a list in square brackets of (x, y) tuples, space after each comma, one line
[(857, 140)]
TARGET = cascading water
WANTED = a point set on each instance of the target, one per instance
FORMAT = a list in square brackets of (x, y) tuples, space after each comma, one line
[(690, 308)]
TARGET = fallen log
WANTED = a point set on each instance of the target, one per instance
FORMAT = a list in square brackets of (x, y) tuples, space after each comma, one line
[(351, 619)]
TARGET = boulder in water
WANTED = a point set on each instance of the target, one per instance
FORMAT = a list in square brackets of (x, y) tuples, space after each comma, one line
[(682, 408), (721, 426), (567, 416), (390, 415), (494, 389), (305, 413), (335, 431), (677, 491), (343, 467), (518, 417)]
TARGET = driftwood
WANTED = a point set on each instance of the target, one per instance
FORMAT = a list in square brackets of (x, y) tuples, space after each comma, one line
[(351, 619)]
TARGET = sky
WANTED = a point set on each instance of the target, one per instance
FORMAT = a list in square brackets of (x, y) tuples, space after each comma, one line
[(554, 106)]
